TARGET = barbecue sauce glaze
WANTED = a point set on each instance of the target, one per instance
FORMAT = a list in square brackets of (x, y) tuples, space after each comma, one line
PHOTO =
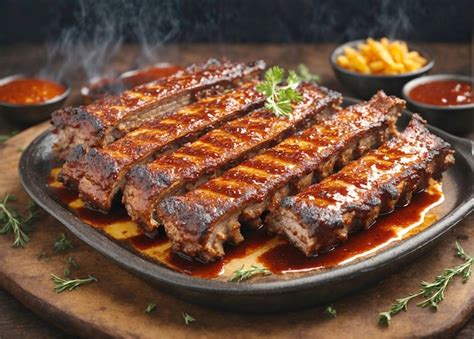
[(272, 252)]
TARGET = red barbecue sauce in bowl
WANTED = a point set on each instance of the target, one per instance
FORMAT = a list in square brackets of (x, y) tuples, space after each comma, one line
[(443, 93), (29, 91)]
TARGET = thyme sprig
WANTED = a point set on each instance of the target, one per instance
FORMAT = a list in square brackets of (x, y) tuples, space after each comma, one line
[(14, 223), (63, 284), (280, 97), (432, 292), (62, 243), (244, 274)]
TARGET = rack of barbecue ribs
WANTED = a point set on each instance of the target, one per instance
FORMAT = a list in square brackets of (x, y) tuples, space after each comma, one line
[(189, 166), (323, 215), (99, 173), (202, 220), (108, 119)]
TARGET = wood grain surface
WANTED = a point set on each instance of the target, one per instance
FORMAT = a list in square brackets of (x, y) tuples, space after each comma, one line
[(115, 305)]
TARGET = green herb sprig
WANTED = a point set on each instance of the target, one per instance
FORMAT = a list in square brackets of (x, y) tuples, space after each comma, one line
[(62, 243), (5, 137), (432, 292), (71, 265), (14, 223), (244, 274), (330, 312), (63, 284), (280, 97), (150, 308), (188, 318)]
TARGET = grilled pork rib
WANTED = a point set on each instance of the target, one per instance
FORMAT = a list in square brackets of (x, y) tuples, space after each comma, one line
[(199, 222), (175, 172), (324, 214), (100, 172), (109, 118)]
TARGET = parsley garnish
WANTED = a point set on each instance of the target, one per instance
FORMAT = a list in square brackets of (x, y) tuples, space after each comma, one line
[(62, 243), (280, 97)]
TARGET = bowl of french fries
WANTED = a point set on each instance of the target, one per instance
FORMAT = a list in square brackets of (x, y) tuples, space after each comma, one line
[(366, 66)]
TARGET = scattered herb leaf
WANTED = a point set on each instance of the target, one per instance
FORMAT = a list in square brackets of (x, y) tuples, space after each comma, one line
[(62, 243), (330, 311), (432, 292), (150, 308), (13, 222), (242, 274), (305, 74), (280, 97), (61, 284), (188, 318), (71, 266), (5, 137)]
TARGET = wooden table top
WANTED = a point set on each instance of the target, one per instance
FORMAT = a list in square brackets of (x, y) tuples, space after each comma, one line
[(15, 319)]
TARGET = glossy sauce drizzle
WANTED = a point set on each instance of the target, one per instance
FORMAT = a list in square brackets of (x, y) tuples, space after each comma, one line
[(388, 228), (274, 253)]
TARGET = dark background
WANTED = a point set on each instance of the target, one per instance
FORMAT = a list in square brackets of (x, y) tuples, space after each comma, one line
[(234, 20)]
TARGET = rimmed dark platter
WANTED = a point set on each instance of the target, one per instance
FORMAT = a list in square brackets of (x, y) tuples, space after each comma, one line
[(302, 291)]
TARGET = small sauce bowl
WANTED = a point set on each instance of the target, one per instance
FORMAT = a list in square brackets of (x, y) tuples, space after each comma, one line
[(456, 119), (32, 113), (365, 86)]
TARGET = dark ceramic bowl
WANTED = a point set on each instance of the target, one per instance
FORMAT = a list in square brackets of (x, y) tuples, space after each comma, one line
[(456, 119), (34, 113), (365, 85)]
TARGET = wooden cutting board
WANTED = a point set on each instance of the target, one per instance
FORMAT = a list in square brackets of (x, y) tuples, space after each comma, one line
[(114, 306)]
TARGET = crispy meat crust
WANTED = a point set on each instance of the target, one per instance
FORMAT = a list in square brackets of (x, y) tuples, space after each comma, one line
[(100, 173), (324, 214), (199, 222), (174, 173), (109, 118)]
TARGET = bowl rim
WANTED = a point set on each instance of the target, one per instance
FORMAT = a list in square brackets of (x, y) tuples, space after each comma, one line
[(427, 78), (426, 68), (53, 100)]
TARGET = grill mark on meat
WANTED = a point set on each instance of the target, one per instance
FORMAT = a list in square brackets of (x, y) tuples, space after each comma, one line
[(100, 173), (219, 149), (324, 214), (199, 222), (107, 119)]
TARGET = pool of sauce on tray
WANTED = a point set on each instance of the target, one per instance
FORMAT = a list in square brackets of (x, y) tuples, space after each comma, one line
[(279, 258), (29, 91), (443, 93)]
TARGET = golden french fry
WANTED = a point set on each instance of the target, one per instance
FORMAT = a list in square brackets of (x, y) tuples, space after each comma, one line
[(343, 61), (376, 66), (381, 57)]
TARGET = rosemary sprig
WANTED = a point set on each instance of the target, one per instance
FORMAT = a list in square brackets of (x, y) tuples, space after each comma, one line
[(13, 222), (188, 318), (71, 265), (150, 308), (330, 311), (62, 243), (305, 74), (432, 292), (242, 274), (280, 97), (61, 284)]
